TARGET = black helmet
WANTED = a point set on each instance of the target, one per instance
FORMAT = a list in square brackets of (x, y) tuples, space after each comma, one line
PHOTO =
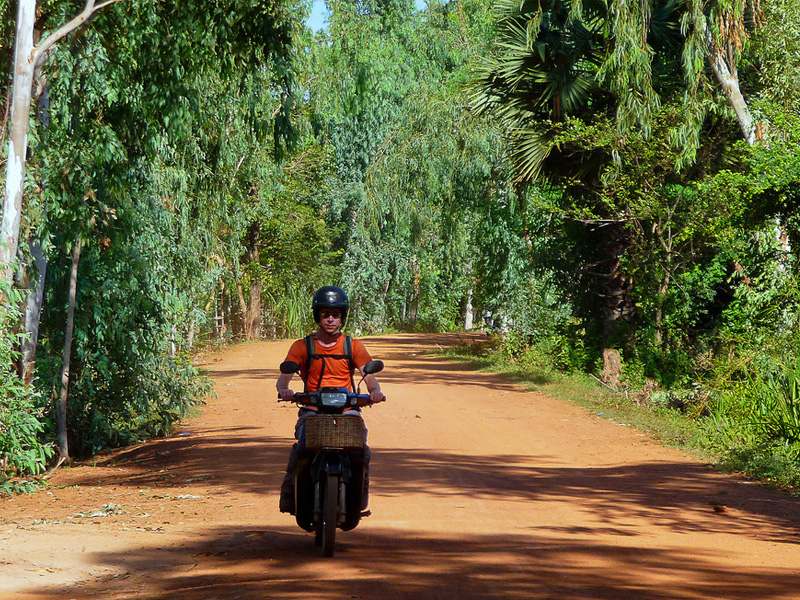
[(330, 296)]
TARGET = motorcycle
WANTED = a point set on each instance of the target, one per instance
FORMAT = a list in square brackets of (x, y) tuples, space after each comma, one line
[(329, 483)]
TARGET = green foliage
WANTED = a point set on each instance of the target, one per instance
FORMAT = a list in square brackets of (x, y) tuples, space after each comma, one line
[(765, 299), (152, 150), (774, 464), (122, 387), (22, 453), (777, 46), (775, 402), (693, 243), (653, 235), (411, 169), (7, 20), (754, 427), (545, 67)]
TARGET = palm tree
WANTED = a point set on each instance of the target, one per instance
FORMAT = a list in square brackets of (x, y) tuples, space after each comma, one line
[(565, 82), (544, 71)]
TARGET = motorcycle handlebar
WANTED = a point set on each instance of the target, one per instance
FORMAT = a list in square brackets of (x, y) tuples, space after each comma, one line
[(309, 397)]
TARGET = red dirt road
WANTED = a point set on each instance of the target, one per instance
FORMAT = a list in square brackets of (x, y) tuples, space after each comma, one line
[(479, 491)]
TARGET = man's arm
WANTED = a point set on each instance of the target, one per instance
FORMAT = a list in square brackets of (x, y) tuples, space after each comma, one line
[(297, 353), (284, 391), (374, 388), (362, 357)]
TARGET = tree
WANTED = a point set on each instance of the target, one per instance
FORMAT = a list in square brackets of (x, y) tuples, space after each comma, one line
[(27, 59), (412, 167), (259, 26), (122, 94), (590, 102)]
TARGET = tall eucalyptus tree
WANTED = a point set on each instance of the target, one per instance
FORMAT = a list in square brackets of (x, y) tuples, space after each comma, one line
[(28, 58), (124, 98)]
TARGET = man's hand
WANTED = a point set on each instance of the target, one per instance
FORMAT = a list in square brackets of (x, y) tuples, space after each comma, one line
[(286, 394), (376, 396)]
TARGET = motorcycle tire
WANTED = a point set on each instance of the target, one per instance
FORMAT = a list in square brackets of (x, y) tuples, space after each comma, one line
[(330, 515)]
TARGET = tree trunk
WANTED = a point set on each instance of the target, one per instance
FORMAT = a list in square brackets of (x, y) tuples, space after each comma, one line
[(519, 190), (663, 288), (253, 315), (35, 288), (190, 335), (251, 310), (612, 368), (664, 235), (22, 86), (33, 310), (254, 311), (61, 411), (242, 306), (468, 316), (227, 328), (251, 307), (220, 322), (729, 81), (619, 305)]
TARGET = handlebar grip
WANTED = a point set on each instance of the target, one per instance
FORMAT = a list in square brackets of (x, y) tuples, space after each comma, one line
[(367, 402), (297, 398)]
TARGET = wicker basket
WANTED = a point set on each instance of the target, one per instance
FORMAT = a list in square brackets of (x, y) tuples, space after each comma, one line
[(334, 431)]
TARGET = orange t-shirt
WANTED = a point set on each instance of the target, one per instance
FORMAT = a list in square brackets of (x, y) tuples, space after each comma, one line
[(337, 371)]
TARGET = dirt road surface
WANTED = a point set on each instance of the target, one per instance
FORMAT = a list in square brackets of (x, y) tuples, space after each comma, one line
[(479, 491)]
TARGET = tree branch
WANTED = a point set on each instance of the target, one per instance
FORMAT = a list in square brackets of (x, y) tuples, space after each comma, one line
[(725, 73), (88, 11)]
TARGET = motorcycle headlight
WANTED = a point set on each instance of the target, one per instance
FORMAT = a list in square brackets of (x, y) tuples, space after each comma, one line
[(333, 399)]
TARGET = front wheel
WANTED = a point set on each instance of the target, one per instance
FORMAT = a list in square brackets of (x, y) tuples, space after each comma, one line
[(330, 515)]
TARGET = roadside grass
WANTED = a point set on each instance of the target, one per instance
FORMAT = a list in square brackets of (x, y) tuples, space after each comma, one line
[(690, 427)]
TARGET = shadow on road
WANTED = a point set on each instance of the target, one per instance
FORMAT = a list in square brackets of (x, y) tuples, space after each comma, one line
[(667, 494), (375, 564), (400, 354)]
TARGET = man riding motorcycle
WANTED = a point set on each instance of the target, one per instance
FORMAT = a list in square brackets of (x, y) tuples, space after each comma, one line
[(327, 358)]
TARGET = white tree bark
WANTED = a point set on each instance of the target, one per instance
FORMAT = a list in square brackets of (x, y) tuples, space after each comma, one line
[(33, 310), (18, 138), (730, 84), (468, 315), (729, 80), (27, 58)]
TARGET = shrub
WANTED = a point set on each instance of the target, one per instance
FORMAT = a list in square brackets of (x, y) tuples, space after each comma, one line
[(21, 451)]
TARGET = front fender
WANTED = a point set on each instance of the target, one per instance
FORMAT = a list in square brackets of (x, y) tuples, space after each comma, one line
[(330, 463)]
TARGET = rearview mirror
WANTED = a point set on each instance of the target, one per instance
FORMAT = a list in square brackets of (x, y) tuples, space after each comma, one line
[(289, 367), (373, 366)]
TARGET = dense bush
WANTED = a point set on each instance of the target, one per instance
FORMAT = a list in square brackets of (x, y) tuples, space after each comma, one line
[(124, 386), (22, 452)]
